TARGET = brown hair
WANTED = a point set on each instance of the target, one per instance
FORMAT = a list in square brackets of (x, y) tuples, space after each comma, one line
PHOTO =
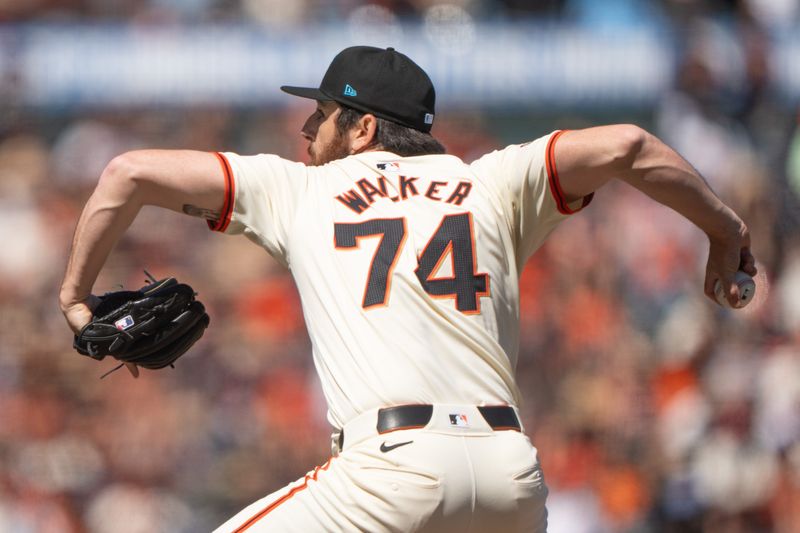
[(392, 137)]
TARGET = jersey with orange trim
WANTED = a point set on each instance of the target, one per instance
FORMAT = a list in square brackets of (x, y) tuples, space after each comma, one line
[(407, 268)]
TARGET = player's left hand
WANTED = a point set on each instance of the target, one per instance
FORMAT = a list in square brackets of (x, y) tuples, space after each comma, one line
[(726, 256), (151, 327), (79, 314)]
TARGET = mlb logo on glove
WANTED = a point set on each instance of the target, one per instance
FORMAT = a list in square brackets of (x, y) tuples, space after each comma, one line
[(124, 323)]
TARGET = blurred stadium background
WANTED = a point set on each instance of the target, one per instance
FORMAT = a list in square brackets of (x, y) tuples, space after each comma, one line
[(653, 409)]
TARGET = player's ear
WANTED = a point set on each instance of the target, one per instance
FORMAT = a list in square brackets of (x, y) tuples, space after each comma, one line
[(362, 134)]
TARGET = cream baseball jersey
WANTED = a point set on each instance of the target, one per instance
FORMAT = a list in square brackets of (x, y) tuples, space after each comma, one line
[(407, 267)]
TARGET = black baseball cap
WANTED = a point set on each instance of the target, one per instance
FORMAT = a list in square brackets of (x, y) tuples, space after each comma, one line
[(382, 82)]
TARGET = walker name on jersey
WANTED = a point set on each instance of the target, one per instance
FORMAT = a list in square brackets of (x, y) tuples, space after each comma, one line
[(369, 190)]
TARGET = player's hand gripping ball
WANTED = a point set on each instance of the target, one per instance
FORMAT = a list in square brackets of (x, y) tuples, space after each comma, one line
[(150, 327), (747, 290)]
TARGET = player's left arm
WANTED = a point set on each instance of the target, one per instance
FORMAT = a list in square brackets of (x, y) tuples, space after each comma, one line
[(181, 180), (587, 159)]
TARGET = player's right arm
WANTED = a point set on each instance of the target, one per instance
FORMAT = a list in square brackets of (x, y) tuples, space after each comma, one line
[(180, 180), (587, 159)]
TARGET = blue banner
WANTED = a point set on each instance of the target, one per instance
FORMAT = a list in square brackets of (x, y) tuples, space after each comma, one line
[(482, 64)]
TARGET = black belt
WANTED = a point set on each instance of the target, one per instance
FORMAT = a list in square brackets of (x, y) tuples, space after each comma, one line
[(418, 416), (499, 417)]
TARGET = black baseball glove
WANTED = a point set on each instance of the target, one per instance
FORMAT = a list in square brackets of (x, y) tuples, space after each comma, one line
[(150, 327)]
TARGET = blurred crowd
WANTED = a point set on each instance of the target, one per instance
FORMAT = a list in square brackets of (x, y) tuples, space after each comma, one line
[(653, 408), (773, 14)]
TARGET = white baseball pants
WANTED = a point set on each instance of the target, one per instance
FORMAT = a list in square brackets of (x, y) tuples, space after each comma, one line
[(440, 478)]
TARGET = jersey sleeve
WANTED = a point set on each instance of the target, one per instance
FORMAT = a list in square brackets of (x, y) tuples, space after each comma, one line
[(525, 178), (261, 197)]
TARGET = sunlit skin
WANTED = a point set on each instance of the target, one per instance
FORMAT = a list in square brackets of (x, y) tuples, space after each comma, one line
[(326, 144)]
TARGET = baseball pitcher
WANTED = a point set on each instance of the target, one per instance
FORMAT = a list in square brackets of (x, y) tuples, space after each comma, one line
[(407, 263)]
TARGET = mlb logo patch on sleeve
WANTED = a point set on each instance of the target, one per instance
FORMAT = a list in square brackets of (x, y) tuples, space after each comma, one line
[(459, 420), (124, 323)]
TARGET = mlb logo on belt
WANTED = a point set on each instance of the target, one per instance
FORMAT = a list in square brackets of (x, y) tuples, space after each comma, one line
[(459, 420), (124, 323)]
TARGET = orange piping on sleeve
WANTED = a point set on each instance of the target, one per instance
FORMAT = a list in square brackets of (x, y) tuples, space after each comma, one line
[(227, 206), (552, 178)]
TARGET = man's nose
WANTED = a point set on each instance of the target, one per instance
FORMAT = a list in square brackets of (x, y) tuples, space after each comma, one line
[(309, 129)]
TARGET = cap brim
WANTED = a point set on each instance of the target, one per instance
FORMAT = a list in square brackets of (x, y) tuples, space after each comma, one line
[(305, 92)]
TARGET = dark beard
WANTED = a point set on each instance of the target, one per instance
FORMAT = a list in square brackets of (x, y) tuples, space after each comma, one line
[(337, 149)]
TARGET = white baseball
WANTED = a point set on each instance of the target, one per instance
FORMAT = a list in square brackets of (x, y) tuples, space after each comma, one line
[(747, 290)]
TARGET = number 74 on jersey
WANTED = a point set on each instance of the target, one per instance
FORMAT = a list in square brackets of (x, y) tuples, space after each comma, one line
[(453, 239)]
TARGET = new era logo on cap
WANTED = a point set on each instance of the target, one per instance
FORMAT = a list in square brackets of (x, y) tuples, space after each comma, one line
[(349, 91)]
